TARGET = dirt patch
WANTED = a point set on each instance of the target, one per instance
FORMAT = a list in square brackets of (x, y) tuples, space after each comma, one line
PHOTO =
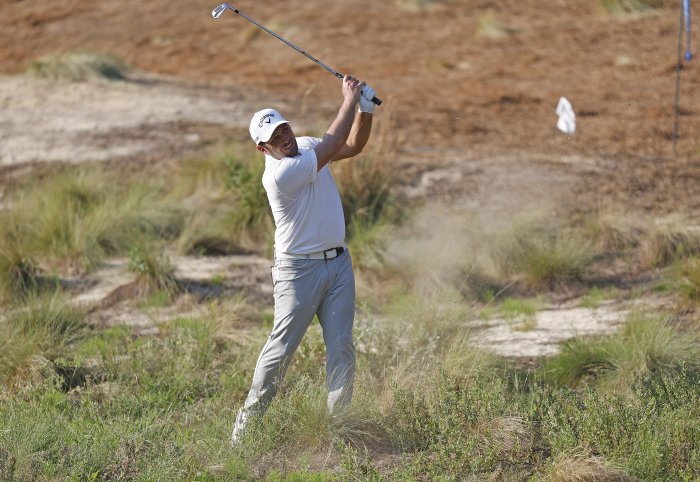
[(148, 116), (542, 334), (107, 292)]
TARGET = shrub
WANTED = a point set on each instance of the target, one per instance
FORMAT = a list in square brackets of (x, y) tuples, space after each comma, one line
[(464, 428), (650, 434), (251, 220)]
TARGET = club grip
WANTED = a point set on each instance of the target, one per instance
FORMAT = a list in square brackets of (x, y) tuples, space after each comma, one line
[(377, 100)]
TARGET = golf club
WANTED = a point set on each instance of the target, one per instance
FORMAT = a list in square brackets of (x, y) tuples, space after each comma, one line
[(216, 13)]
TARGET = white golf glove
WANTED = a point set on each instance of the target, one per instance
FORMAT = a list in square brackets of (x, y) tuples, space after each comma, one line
[(366, 104)]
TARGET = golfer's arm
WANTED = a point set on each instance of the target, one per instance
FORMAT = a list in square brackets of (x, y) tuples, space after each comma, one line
[(359, 135), (337, 134)]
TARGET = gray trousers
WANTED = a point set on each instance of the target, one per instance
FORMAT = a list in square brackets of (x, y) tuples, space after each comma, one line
[(304, 288)]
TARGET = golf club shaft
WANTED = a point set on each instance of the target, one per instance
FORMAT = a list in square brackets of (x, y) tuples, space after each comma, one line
[(216, 13)]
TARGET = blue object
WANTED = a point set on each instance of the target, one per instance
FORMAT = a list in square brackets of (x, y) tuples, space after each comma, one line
[(686, 15)]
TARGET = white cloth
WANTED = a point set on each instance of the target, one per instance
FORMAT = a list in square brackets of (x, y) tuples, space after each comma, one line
[(305, 204), (567, 117)]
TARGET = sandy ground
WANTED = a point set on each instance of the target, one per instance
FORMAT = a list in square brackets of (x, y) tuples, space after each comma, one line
[(148, 116)]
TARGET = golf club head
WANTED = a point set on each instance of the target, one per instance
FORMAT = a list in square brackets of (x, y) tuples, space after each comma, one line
[(216, 13)]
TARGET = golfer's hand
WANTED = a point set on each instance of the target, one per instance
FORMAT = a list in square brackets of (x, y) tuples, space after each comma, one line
[(352, 89), (366, 104)]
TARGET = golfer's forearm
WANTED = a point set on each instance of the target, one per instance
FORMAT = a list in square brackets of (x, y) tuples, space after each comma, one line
[(336, 135), (359, 134), (342, 125)]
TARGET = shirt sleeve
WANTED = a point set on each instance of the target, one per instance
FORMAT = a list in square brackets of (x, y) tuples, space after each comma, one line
[(294, 173)]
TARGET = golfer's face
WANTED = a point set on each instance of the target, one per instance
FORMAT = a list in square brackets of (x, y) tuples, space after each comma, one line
[(282, 143)]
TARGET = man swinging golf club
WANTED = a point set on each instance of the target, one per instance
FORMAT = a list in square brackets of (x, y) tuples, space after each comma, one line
[(312, 273)]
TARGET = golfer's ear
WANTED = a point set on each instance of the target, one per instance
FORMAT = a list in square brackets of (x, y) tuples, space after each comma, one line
[(261, 149)]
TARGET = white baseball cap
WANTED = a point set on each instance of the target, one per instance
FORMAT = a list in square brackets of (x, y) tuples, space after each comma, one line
[(264, 123)]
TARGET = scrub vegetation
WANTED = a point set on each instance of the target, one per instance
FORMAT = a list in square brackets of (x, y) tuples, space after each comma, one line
[(104, 404), (83, 401), (79, 66)]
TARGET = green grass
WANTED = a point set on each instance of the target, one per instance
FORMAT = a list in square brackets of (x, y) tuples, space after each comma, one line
[(79, 215), (596, 296), (18, 271), (514, 308), (162, 406), (647, 346), (229, 211), (88, 403), (252, 218), (546, 258), (521, 313), (33, 336), (76, 67), (155, 272)]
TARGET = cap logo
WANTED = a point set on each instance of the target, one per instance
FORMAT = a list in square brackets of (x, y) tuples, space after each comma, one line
[(267, 119)]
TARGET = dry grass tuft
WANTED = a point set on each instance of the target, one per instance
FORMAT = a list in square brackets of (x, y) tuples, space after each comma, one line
[(687, 279), (546, 259), (629, 6), (669, 240), (18, 271), (582, 466), (510, 434), (417, 5), (613, 232), (489, 27), (76, 67), (154, 270), (646, 346)]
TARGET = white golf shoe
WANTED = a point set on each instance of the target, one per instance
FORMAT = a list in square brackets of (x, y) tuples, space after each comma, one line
[(239, 427)]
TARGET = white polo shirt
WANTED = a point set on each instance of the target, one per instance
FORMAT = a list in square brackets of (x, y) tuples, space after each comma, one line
[(305, 204)]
